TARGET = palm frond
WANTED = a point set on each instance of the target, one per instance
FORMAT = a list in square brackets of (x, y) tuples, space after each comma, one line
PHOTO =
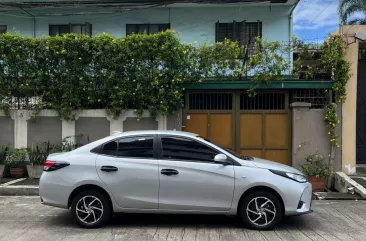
[(357, 21), (349, 7)]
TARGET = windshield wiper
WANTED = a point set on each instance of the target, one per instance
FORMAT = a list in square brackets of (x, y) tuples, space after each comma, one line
[(247, 158)]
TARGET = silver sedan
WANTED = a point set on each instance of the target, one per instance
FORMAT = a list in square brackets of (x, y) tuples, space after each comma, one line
[(170, 172)]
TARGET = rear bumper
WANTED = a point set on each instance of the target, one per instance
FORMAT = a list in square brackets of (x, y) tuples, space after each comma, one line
[(52, 192)]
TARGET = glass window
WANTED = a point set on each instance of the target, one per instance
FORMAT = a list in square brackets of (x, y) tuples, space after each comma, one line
[(148, 28), (3, 28), (179, 148), (243, 32), (109, 149), (136, 147), (70, 28)]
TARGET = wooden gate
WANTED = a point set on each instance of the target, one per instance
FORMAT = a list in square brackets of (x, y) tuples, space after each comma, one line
[(256, 126)]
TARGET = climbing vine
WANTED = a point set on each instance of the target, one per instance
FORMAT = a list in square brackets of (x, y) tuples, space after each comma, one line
[(332, 121), (334, 61), (72, 72), (142, 72)]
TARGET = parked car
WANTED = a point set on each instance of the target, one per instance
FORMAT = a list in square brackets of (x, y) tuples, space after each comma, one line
[(170, 172)]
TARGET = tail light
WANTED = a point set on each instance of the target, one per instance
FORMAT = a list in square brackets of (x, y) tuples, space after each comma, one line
[(50, 166)]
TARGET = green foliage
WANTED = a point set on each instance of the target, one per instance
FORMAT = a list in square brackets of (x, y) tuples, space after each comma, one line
[(333, 59), (70, 72), (315, 166), (348, 8), (15, 157), (67, 145), (39, 154), (3, 151), (332, 121), (268, 62), (35, 156), (303, 53)]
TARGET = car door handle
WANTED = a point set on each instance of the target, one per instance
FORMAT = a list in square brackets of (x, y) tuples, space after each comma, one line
[(169, 172), (108, 169)]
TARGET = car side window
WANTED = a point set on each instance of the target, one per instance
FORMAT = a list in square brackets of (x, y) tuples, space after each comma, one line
[(136, 147), (109, 149), (178, 148)]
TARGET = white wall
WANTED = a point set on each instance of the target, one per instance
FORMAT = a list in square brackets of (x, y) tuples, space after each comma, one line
[(194, 24)]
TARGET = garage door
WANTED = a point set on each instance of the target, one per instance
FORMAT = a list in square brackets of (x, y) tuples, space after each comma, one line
[(256, 126)]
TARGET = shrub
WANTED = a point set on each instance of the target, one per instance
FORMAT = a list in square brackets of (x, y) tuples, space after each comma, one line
[(15, 157), (316, 166)]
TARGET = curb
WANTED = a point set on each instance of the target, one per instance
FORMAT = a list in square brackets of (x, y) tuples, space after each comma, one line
[(19, 191)]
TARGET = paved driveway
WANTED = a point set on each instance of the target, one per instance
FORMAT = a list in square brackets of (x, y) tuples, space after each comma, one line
[(24, 218)]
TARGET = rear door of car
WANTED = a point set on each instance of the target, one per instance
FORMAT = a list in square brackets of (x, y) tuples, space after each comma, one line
[(189, 179), (129, 168)]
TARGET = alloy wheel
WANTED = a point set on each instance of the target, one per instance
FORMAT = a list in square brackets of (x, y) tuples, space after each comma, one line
[(261, 211), (89, 209)]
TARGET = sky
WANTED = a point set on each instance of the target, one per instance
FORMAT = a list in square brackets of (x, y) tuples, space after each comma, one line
[(313, 19)]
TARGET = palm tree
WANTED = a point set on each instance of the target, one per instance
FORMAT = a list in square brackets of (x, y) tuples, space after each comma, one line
[(347, 9)]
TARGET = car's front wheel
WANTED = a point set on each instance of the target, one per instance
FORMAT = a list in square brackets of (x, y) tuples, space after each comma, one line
[(260, 210), (91, 209)]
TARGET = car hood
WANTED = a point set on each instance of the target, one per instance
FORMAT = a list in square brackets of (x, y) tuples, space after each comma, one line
[(261, 163)]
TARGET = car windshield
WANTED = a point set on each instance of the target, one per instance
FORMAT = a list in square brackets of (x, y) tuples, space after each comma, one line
[(238, 155)]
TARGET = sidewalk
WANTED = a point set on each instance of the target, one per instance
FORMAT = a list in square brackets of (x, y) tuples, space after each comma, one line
[(24, 218), (19, 187)]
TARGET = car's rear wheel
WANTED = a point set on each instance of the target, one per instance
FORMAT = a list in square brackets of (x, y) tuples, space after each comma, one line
[(91, 209), (260, 210)]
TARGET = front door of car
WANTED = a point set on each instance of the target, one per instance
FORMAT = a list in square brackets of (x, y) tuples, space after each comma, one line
[(190, 180), (129, 168)]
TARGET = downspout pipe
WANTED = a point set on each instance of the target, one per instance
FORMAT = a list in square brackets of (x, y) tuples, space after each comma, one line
[(290, 27)]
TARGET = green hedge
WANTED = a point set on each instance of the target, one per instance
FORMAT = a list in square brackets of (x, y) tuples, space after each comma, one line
[(141, 71)]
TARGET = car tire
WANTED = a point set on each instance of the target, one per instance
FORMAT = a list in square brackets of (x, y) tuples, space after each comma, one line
[(95, 213), (268, 212)]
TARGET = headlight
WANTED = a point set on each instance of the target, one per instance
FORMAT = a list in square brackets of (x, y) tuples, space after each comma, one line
[(293, 176), (296, 177)]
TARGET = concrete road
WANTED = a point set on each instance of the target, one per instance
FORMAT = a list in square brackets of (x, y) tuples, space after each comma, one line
[(24, 218)]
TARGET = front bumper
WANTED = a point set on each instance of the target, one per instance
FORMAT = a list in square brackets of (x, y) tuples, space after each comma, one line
[(297, 197)]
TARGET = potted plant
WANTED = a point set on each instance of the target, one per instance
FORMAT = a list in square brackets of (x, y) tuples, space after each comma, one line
[(3, 150), (36, 160), (317, 170), (15, 159)]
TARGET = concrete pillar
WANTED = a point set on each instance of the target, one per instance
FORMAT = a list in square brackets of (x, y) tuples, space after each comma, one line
[(349, 113), (309, 133), (68, 130), (115, 124), (20, 118), (162, 122)]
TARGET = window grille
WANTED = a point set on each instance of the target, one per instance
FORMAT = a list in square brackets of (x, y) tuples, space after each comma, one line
[(263, 101), (210, 101)]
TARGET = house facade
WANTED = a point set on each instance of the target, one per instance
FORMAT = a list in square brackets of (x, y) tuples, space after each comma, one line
[(277, 124), (209, 21)]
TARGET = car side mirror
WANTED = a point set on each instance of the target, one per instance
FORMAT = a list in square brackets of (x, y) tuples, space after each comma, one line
[(221, 159)]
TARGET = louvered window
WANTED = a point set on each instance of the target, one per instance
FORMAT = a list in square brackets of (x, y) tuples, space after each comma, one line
[(148, 28), (243, 32), (3, 28), (70, 28)]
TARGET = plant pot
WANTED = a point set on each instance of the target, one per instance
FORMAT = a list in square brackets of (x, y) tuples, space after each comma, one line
[(34, 171), (2, 168), (17, 172), (318, 183)]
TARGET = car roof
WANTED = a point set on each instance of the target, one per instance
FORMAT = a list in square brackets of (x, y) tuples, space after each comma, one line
[(155, 132), (88, 147)]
